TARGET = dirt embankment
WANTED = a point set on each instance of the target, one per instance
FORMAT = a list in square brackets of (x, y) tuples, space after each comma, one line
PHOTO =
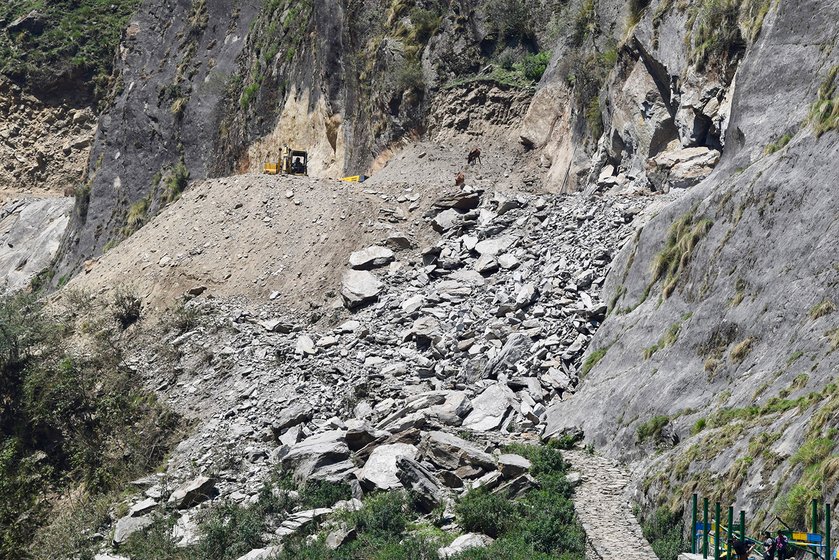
[(256, 236)]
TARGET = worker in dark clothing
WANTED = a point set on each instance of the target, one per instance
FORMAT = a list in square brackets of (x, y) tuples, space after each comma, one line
[(741, 548), (768, 546), (297, 166)]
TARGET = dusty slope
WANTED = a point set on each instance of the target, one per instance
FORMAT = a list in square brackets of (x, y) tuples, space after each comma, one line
[(253, 235), (747, 341)]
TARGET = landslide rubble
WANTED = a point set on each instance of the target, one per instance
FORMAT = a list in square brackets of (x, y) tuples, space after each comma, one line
[(383, 397)]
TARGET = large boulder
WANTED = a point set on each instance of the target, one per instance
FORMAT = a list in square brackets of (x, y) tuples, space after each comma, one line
[(420, 482), (371, 257), (494, 247), (193, 492), (450, 452), (128, 525), (460, 200), (490, 408), (464, 542), (380, 470), (289, 417), (315, 453), (359, 287)]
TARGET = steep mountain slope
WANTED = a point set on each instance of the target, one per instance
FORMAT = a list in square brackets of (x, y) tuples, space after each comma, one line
[(724, 306)]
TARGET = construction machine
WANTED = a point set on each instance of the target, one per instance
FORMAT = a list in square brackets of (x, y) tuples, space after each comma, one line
[(291, 162)]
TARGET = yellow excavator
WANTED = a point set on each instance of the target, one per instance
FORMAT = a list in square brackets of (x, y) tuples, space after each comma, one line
[(292, 162)]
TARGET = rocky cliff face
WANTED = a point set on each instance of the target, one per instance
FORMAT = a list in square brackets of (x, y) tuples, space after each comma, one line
[(720, 346), (714, 368), (213, 91)]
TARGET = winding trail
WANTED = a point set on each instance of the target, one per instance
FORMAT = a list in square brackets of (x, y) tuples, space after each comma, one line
[(612, 530)]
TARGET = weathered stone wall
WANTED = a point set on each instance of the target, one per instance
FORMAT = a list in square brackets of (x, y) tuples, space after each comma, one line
[(726, 328)]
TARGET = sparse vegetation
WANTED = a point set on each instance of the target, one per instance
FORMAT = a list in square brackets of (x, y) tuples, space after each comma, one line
[(68, 421), (719, 30), (127, 306), (822, 308), (652, 428), (663, 530), (593, 359), (585, 24), (667, 339), (778, 144), (176, 181), (636, 10), (698, 426), (683, 237), (586, 75), (742, 349), (824, 113), (510, 19), (64, 39)]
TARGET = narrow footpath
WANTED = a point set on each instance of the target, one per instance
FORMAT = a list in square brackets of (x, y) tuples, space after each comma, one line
[(600, 500)]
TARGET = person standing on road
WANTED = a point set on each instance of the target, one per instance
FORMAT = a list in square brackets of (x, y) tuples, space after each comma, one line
[(781, 546), (768, 546)]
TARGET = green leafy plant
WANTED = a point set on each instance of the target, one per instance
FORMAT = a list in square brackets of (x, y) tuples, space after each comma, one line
[(663, 530)]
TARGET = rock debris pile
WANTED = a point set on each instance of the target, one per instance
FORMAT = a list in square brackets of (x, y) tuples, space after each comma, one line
[(449, 351)]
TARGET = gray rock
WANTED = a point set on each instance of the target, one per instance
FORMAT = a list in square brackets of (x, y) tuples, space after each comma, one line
[(450, 452), (380, 470), (446, 220), (141, 508), (371, 257), (490, 408), (464, 542), (315, 453), (494, 247), (512, 353), (460, 200), (419, 481), (340, 536), (262, 553), (296, 521), (305, 346), (359, 287), (291, 416), (512, 465), (128, 525), (193, 492)]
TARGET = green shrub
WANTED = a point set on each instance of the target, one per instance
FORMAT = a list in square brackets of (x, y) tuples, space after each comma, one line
[(482, 512), (409, 76), (230, 532), (663, 530), (585, 24), (249, 93), (534, 65), (426, 23), (698, 426), (716, 37), (320, 494), (127, 306), (383, 514), (66, 418), (78, 38), (510, 19), (652, 428), (542, 524)]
